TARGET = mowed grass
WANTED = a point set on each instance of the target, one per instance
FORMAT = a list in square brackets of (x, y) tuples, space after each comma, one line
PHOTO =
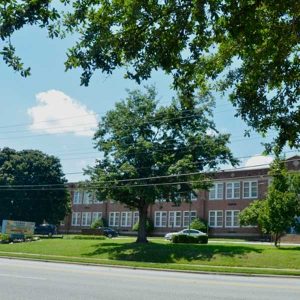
[(218, 257)]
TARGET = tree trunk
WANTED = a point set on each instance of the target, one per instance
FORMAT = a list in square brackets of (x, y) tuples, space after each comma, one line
[(277, 239), (142, 232)]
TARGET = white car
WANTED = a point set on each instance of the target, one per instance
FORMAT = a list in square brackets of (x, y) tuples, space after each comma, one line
[(191, 232)]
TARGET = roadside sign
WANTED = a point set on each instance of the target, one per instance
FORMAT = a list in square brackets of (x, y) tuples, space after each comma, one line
[(17, 229)]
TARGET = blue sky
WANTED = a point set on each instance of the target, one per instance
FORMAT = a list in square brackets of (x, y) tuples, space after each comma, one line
[(51, 112)]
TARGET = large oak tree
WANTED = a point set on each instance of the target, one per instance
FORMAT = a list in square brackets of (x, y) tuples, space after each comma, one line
[(32, 187), (153, 152)]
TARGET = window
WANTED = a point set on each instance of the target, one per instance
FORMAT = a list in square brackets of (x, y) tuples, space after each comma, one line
[(216, 191), (126, 217), (86, 219), (76, 219), (96, 216), (174, 218), (233, 190), (136, 217), (188, 217), (114, 218), (194, 196), (232, 218), (250, 189), (87, 198), (77, 197), (160, 219), (215, 218)]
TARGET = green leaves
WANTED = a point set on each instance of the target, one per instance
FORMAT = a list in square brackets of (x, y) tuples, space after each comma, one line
[(247, 49), (14, 15), (277, 212), (32, 187), (148, 147)]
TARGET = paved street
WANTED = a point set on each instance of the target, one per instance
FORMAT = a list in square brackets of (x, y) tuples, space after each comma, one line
[(39, 280)]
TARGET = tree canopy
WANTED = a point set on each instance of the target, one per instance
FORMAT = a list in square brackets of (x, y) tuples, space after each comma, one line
[(32, 187), (248, 49), (153, 152), (279, 210), (14, 15)]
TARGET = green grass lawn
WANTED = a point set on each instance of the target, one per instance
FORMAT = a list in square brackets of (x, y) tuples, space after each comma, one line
[(219, 257)]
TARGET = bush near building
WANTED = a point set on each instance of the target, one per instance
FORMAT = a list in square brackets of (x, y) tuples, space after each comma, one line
[(188, 239), (198, 224)]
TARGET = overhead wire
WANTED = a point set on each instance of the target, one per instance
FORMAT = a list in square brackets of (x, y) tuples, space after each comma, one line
[(44, 187)]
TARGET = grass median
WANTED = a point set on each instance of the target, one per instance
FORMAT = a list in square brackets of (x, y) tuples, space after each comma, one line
[(215, 257)]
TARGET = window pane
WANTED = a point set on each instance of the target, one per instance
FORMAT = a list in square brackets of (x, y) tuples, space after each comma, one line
[(220, 191), (254, 189), (229, 190)]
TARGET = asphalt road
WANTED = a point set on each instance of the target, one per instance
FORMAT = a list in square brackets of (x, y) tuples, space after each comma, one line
[(40, 280)]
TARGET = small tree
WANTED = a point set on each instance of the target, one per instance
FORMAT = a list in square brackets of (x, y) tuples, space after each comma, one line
[(198, 224), (97, 223), (277, 212), (151, 152)]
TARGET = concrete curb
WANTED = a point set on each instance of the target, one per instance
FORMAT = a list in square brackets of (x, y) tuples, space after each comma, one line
[(150, 269)]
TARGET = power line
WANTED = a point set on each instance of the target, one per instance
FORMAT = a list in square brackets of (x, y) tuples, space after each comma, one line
[(96, 185)]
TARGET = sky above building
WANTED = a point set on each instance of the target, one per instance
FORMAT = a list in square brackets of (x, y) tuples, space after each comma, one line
[(51, 112)]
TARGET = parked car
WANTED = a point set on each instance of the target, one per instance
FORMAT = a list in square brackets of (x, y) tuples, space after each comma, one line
[(109, 232), (192, 232), (45, 229)]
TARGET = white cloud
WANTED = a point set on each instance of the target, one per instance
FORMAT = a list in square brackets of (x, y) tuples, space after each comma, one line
[(56, 112), (258, 161)]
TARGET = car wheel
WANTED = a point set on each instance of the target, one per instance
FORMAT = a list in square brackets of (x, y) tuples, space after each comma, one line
[(109, 235)]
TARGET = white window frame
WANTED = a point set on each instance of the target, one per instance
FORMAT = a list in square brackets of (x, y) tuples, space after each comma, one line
[(214, 191), (87, 198), (77, 197), (188, 217), (175, 219), (114, 218), (213, 214), (86, 218), (161, 217), (76, 218), (126, 218), (231, 214), (250, 196), (135, 217), (194, 196), (232, 188)]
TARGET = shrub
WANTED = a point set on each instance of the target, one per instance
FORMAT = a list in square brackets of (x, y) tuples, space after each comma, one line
[(149, 226), (203, 239), (4, 238), (97, 223), (198, 224), (189, 239)]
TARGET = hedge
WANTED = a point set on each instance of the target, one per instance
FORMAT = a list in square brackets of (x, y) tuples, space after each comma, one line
[(189, 239)]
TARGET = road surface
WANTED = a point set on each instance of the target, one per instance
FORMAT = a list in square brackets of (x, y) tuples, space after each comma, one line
[(41, 280)]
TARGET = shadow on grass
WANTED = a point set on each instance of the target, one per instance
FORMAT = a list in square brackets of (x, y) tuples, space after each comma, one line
[(168, 253), (293, 248)]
